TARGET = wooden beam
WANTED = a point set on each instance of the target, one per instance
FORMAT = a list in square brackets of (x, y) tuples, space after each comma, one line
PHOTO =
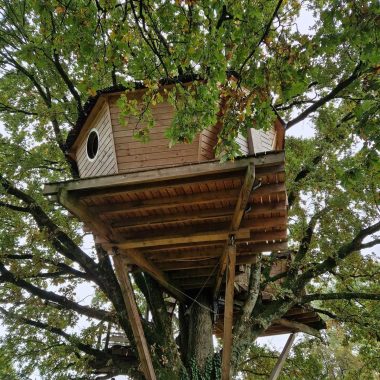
[(111, 239), (281, 360), (263, 210), (228, 312), (268, 237), (87, 216), (180, 237), (183, 200), (197, 233), (134, 318), (187, 216), (171, 184), (165, 202), (155, 175), (240, 208), (163, 254), (147, 266), (196, 264)]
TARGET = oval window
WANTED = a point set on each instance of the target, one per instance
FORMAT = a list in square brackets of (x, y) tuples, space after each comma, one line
[(92, 144)]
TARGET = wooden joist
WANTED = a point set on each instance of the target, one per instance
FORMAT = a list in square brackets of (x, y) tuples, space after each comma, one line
[(202, 198), (134, 318), (264, 211)]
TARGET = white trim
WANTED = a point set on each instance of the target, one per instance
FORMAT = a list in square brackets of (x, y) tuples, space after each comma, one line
[(97, 152)]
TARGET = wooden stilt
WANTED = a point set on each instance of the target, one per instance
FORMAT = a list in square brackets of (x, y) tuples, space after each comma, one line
[(281, 360), (134, 317), (228, 310)]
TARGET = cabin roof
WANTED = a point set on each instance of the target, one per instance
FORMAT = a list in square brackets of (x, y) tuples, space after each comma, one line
[(92, 100)]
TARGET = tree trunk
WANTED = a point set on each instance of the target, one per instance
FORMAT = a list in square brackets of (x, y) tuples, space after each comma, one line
[(199, 349)]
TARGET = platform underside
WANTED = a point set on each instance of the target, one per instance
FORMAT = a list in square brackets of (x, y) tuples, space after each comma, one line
[(174, 223)]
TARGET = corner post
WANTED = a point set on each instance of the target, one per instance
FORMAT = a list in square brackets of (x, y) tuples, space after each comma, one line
[(228, 309)]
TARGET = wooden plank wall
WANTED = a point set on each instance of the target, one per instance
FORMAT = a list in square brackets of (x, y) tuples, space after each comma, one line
[(105, 161), (133, 154), (263, 141), (209, 138)]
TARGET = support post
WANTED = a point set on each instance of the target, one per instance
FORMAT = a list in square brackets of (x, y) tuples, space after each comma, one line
[(134, 317), (237, 217), (281, 360), (228, 310)]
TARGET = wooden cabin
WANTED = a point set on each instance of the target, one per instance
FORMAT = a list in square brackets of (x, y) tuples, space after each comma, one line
[(101, 145), (177, 213)]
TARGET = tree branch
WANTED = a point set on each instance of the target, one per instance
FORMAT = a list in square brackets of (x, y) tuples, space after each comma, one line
[(7, 276), (55, 330), (331, 95), (59, 239), (302, 174), (332, 261), (299, 327), (14, 207), (68, 82), (265, 34), (253, 294), (306, 239), (340, 296)]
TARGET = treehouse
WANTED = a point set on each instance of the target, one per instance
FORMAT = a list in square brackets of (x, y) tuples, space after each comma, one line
[(177, 213)]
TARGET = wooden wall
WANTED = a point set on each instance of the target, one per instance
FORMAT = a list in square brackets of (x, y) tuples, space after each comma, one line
[(262, 141), (105, 161), (134, 154), (209, 138), (119, 151)]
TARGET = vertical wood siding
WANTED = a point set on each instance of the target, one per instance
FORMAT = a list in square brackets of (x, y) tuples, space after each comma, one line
[(209, 138), (263, 141), (105, 160)]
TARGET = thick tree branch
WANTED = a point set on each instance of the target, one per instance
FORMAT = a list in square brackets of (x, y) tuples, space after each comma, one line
[(55, 330), (64, 268), (332, 261), (331, 95), (10, 109), (58, 238), (299, 327), (14, 207), (302, 174), (308, 235), (68, 82), (340, 296), (253, 294), (7, 276)]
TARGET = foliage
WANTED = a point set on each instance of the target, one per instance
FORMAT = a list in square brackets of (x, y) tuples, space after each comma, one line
[(333, 358), (250, 62)]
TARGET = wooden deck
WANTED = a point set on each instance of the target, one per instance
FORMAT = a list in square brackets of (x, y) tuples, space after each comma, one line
[(175, 223)]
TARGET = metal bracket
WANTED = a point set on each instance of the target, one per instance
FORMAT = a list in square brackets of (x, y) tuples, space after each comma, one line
[(232, 240)]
